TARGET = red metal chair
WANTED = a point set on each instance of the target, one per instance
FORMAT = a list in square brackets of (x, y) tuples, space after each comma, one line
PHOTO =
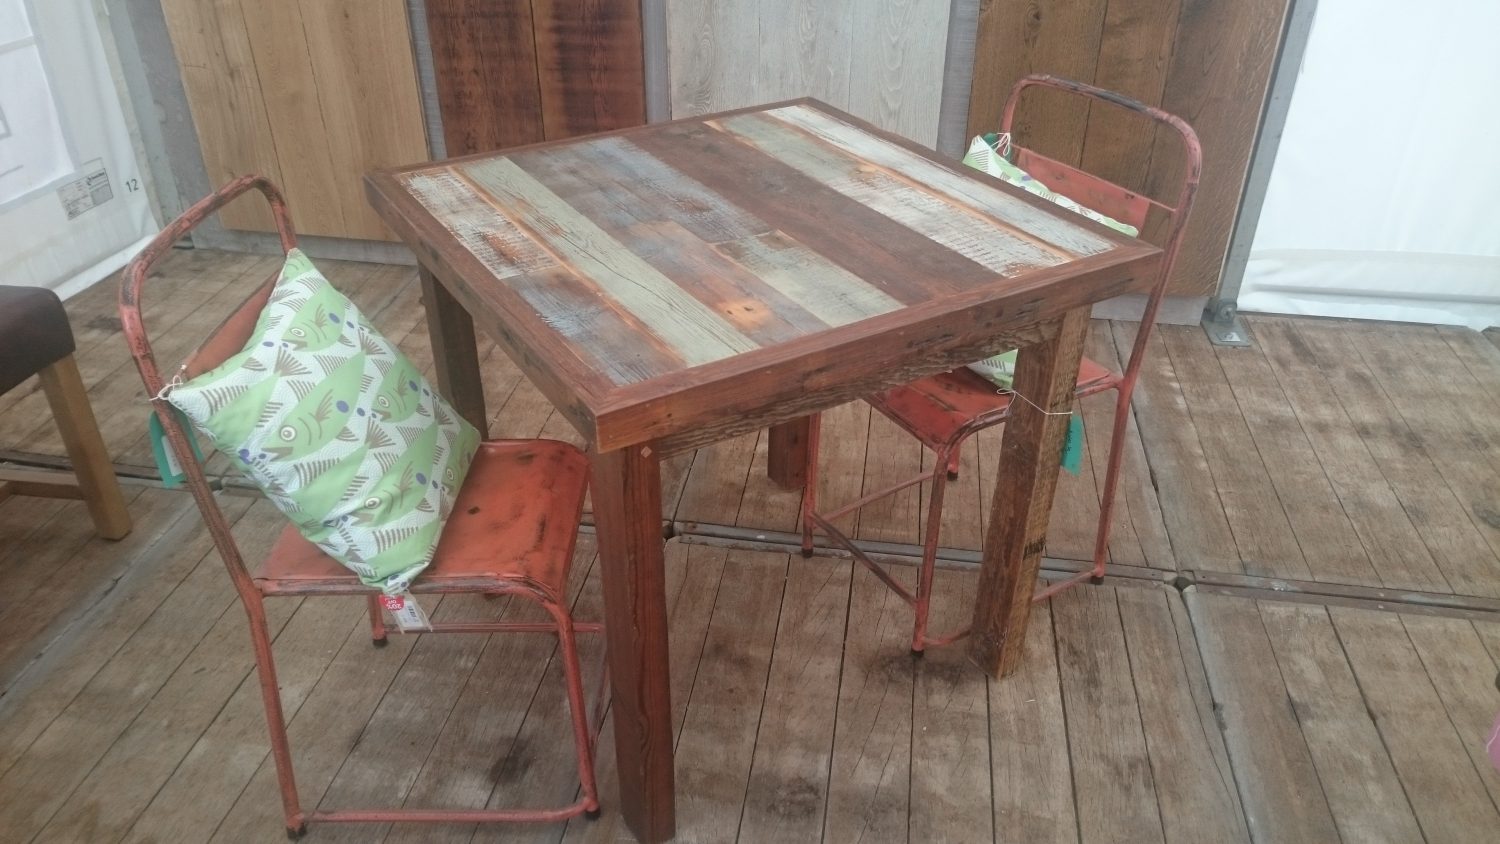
[(512, 532), (944, 410)]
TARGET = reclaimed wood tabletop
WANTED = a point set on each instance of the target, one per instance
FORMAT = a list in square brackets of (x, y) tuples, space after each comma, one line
[(673, 285)]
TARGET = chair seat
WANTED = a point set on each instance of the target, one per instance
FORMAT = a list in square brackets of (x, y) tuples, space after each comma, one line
[(34, 333), (941, 410), (514, 523)]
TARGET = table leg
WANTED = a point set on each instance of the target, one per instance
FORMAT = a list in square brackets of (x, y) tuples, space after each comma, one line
[(454, 353), (786, 462), (1047, 375), (626, 488)]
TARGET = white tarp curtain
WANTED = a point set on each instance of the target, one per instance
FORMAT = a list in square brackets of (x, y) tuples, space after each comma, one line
[(72, 206), (1382, 203)]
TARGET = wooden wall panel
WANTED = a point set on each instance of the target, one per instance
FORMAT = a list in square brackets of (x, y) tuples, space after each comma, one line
[(484, 60), (1021, 37), (515, 73), (299, 127), (1208, 61), (366, 82), (880, 59), (713, 55), (590, 65), (313, 93), (810, 48), (896, 75), (218, 75), (1217, 82), (1134, 57)]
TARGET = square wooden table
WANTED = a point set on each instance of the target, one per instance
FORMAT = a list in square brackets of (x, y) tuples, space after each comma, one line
[(674, 285)]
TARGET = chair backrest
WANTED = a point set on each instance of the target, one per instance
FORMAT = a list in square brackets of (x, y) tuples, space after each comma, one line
[(1113, 200), (225, 340)]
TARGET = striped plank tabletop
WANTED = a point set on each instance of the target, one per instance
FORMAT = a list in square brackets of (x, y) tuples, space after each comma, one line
[(725, 260)]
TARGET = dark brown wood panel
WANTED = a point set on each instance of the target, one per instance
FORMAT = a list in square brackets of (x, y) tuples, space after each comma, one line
[(1221, 69), (1021, 37), (515, 73), (484, 58), (1207, 61), (589, 65), (1134, 56)]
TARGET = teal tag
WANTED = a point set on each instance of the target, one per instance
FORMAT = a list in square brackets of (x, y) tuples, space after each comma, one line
[(1072, 455), (167, 464)]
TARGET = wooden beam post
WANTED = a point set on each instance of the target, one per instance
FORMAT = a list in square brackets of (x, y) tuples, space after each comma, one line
[(69, 400), (627, 516), (1030, 454), (455, 355), (786, 462)]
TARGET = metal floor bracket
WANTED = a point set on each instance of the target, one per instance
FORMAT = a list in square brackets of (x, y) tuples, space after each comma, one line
[(1222, 323)]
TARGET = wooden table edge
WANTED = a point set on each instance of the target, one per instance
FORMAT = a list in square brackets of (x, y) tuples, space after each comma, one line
[(622, 416), (566, 380)]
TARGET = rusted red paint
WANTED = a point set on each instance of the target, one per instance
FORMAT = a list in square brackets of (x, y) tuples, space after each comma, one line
[(512, 533), (944, 410)]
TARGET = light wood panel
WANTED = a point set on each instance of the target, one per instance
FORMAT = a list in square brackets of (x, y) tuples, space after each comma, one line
[(223, 92), (1207, 61), (313, 93), (882, 60)]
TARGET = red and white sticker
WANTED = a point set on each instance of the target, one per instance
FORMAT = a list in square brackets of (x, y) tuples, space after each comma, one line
[(404, 609)]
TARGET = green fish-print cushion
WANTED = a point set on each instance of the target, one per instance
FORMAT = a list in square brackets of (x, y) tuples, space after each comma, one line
[(984, 155), (338, 428)]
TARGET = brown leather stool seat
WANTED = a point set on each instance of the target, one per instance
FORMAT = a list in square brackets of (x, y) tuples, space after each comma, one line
[(34, 333)]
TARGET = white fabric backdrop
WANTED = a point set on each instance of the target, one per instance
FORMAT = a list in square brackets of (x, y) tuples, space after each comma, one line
[(61, 122), (1382, 201)]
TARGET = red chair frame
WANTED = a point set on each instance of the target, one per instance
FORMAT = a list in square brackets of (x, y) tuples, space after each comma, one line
[(927, 408), (229, 338)]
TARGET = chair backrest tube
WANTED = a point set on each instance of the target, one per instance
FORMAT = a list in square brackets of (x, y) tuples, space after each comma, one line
[(1178, 213), (136, 336)]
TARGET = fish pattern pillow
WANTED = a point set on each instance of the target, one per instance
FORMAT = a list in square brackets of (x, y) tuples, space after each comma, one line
[(985, 153), (338, 428)]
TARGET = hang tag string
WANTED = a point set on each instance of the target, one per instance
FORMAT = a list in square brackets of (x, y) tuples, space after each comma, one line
[(1002, 145), (161, 395), (1038, 407)]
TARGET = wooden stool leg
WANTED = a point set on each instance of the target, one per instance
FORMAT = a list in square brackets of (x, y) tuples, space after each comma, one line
[(80, 433)]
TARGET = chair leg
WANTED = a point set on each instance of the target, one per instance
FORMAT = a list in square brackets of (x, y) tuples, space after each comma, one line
[(80, 435), (929, 551), (1111, 481), (578, 705), (953, 461), (377, 623), (281, 751), (810, 481)]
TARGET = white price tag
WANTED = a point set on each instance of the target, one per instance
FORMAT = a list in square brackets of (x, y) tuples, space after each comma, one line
[(407, 614)]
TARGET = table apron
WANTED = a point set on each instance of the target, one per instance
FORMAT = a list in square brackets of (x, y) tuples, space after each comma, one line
[(824, 398)]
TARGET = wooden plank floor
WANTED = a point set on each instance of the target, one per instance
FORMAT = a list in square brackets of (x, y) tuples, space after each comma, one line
[(1333, 456), (1351, 467)]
